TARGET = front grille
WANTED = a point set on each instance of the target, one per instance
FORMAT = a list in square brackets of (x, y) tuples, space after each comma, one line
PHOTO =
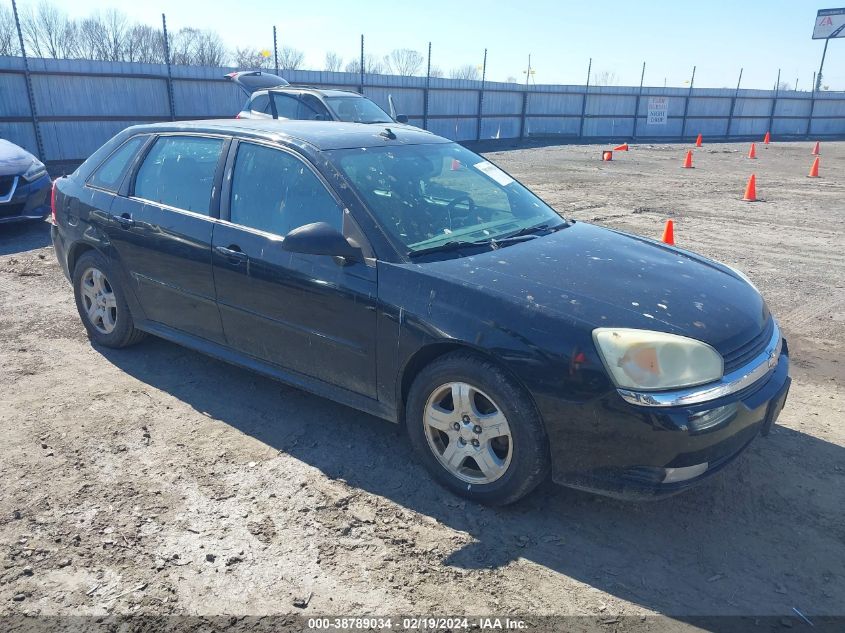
[(750, 349), (11, 210), (6, 185)]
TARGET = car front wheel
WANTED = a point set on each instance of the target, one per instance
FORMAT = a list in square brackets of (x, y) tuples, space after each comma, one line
[(476, 430)]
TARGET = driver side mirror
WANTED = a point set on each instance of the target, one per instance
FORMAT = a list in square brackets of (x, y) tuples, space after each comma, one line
[(320, 238), (401, 118)]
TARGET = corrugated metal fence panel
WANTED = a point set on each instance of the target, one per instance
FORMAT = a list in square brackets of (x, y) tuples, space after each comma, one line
[(65, 95), (410, 101), (14, 101), (98, 98), (204, 99), (502, 103), (453, 102)]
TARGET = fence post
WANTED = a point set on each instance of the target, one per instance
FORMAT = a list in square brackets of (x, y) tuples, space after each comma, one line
[(275, 51), (169, 72), (584, 100), (362, 64), (637, 103), (425, 92), (774, 103), (733, 106), (28, 78), (686, 104), (522, 118), (481, 97)]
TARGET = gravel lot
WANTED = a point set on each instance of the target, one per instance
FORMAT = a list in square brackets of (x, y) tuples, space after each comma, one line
[(155, 480)]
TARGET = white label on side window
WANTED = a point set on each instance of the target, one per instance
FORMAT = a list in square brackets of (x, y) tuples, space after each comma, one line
[(491, 171)]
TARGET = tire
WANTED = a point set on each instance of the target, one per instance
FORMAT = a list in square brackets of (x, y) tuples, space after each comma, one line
[(508, 461), (97, 293)]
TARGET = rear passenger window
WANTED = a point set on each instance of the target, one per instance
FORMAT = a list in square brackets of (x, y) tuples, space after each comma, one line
[(287, 107), (179, 171), (275, 192), (110, 174), (261, 103)]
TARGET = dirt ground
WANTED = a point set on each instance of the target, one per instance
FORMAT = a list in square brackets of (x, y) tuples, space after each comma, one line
[(155, 480)]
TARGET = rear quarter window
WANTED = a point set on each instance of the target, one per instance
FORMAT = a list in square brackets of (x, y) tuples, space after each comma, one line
[(109, 175)]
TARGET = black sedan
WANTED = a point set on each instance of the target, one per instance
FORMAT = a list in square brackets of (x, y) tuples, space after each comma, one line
[(24, 185), (399, 273)]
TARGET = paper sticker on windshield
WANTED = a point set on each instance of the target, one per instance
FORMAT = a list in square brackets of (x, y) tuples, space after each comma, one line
[(491, 171)]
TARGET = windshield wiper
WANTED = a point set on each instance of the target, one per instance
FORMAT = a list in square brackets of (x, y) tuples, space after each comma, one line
[(452, 245), (531, 230)]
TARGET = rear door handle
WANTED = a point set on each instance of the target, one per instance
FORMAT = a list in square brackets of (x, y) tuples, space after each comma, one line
[(125, 220), (233, 253)]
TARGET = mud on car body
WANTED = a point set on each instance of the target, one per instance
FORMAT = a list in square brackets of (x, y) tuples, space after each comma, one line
[(399, 273)]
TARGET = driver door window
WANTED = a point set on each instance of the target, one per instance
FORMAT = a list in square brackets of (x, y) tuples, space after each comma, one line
[(275, 192)]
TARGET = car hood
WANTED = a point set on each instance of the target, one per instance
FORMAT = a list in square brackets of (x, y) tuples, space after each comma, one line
[(14, 160), (598, 277)]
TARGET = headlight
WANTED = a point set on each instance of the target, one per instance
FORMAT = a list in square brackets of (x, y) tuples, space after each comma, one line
[(642, 359), (35, 171)]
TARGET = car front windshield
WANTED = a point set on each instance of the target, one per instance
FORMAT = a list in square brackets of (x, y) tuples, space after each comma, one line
[(357, 110), (430, 195)]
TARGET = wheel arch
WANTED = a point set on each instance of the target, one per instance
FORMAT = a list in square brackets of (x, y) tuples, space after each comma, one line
[(428, 354), (77, 250)]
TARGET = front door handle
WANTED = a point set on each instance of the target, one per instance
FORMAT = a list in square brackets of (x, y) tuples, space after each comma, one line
[(125, 220), (233, 253)]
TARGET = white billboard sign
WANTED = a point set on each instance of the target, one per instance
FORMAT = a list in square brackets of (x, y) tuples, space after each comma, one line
[(658, 108), (829, 23)]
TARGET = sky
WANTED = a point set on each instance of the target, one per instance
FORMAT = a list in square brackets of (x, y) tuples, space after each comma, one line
[(717, 36)]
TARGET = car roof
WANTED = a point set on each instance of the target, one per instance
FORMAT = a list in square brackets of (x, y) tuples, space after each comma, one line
[(326, 92), (323, 135)]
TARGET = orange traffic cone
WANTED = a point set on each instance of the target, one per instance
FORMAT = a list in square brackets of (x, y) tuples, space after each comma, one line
[(669, 233), (698, 141), (766, 139), (621, 148), (752, 153), (816, 149), (688, 160), (751, 189), (814, 170)]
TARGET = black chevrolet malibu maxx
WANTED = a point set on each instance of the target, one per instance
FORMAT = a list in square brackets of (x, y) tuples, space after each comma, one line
[(398, 273)]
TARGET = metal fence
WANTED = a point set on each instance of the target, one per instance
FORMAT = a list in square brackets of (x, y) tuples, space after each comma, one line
[(76, 105)]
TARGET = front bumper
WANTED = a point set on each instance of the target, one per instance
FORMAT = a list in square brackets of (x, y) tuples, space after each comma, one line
[(635, 451), (26, 201)]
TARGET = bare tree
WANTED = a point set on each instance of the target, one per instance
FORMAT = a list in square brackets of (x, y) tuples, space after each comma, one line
[(48, 32), (784, 86), (8, 36), (334, 62), (511, 79), (605, 78), (403, 61), (209, 50), (115, 26), (371, 66), (90, 35), (436, 71), (467, 71), (291, 58), (144, 44), (251, 58)]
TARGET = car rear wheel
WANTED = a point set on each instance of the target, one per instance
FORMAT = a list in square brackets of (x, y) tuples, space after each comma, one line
[(101, 303), (476, 430)]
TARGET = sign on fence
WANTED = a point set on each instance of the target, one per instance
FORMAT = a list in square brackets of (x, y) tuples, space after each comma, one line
[(829, 23), (657, 108)]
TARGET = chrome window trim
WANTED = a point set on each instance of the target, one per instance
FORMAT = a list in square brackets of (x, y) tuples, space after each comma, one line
[(758, 369), (11, 193)]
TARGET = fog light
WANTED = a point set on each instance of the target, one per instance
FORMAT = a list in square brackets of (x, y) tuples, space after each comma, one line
[(682, 474), (704, 420)]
